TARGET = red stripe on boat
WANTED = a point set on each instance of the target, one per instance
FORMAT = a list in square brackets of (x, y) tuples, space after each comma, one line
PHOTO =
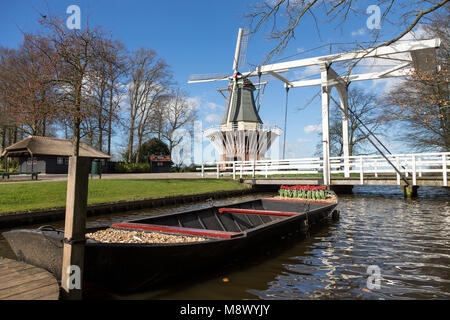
[(299, 201), (182, 230), (260, 212)]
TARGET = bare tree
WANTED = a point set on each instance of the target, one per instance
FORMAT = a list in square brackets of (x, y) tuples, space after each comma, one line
[(105, 92), (285, 16), (76, 53), (149, 80), (179, 112), (116, 68), (420, 103), (28, 97), (363, 106)]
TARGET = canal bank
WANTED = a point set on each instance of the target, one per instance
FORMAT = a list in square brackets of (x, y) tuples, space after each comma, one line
[(18, 219)]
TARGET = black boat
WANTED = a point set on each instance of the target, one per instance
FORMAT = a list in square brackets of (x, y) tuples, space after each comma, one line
[(231, 231)]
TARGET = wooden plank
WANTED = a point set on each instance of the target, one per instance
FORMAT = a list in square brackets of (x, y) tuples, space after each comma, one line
[(181, 230), (19, 276), (20, 281), (258, 212), (36, 290)]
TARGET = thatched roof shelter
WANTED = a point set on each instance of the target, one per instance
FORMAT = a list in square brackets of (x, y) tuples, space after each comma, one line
[(39, 146)]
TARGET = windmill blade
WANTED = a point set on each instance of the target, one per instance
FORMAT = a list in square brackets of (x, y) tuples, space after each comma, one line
[(238, 50), (194, 78), (243, 48)]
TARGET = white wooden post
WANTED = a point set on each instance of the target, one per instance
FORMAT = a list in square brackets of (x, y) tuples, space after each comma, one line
[(241, 164), (253, 171), (343, 94), (420, 168), (406, 169), (203, 170), (218, 173), (361, 170), (444, 170), (414, 170), (267, 165), (234, 170), (325, 123), (376, 168)]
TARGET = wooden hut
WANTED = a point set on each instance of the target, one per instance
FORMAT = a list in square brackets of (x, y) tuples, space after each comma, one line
[(48, 155)]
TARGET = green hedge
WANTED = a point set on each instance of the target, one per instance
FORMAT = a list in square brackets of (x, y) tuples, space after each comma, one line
[(122, 167)]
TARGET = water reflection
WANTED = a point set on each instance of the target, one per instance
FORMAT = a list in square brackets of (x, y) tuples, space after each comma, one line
[(408, 240)]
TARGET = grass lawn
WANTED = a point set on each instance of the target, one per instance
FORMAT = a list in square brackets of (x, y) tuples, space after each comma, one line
[(42, 195)]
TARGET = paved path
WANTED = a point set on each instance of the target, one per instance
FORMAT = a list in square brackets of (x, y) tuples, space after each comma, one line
[(21, 281), (63, 177)]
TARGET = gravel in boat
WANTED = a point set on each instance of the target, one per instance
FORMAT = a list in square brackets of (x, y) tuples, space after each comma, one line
[(111, 235)]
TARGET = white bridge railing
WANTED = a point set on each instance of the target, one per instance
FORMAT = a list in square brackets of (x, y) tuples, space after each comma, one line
[(413, 166)]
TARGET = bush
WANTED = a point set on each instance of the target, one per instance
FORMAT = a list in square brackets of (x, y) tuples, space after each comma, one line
[(122, 167), (12, 167)]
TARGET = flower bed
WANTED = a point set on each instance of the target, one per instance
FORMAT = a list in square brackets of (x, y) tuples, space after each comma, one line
[(304, 192)]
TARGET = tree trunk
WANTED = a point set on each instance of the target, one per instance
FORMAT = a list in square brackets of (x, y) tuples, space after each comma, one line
[(111, 92), (3, 138), (130, 143)]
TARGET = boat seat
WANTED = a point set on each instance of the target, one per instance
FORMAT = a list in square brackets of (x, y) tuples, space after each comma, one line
[(180, 230), (258, 212)]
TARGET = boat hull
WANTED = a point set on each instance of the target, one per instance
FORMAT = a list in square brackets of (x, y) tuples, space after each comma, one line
[(125, 267)]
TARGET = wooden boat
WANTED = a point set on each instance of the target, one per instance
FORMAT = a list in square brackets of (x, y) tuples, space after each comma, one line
[(232, 231)]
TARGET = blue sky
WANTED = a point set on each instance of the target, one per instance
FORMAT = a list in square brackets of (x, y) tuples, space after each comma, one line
[(199, 36)]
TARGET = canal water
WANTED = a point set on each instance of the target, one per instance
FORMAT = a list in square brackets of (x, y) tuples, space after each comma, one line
[(382, 247)]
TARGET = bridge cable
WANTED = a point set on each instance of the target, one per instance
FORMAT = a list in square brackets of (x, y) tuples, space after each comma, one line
[(285, 123), (373, 143)]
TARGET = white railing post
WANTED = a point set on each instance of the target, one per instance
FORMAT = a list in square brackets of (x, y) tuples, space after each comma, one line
[(444, 170), (218, 173), (420, 167), (361, 170), (267, 166), (376, 168), (406, 169), (414, 170), (241, 165), (254, 168), (203, 170), (346, 167), (234, 170)]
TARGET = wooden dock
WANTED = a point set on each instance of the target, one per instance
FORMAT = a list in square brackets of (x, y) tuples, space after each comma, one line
[(21, 281)]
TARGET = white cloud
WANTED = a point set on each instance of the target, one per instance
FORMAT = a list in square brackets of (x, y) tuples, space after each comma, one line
[(359, 32), (307, 72), (303, 140), (193, 102), (313, 128), (213, 106), (417, 34), (213, 117)]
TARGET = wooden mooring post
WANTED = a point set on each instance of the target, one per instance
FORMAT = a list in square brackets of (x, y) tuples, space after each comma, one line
[(75, 226)]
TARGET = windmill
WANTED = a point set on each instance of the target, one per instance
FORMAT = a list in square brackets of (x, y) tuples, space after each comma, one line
[(242, 134)]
